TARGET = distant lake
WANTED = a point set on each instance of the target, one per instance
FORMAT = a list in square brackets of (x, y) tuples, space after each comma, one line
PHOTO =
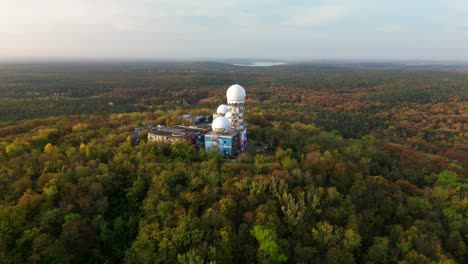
[(260, 64)]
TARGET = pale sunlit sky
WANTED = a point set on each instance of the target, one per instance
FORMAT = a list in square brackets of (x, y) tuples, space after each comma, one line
[(188, 29)]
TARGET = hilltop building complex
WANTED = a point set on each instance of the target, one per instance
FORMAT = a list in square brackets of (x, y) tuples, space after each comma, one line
[(228, 132)]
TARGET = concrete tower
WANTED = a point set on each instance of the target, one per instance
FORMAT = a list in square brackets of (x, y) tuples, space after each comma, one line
[(236, 102)]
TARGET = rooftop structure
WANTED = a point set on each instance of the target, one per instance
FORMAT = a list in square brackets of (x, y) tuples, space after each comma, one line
[(221, 125), (235, 93), (222, 109), (194, 119), (136, 134)]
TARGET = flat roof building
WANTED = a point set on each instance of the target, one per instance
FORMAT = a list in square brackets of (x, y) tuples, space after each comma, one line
[(226, 143), (227, 133), (179, 133)]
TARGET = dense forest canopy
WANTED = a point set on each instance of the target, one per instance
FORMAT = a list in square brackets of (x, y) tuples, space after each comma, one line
[(362, 164)]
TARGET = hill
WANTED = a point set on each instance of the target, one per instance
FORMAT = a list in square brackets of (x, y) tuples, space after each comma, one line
[(363, 165)]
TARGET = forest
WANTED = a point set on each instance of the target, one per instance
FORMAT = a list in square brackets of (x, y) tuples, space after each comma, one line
[(363, 164)]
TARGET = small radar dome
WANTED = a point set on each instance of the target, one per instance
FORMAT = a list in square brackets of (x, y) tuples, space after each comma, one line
[(222, 109), (221, 125), (235, 93), (228, 115)]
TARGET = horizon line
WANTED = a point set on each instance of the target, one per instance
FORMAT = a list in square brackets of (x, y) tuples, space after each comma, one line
[(44, 59)]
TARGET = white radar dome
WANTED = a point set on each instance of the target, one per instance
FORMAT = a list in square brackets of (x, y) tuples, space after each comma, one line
[(235, 93), (228, 115), (222, 109), (221, 125)]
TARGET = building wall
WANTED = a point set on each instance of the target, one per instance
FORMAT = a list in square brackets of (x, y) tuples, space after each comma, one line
[(216, 142), (226, 144), (243, 139), (197, 139), (235, 144), (164, 138)]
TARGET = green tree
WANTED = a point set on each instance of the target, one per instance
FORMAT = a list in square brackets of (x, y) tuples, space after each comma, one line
[(379, 251), (268, 242)]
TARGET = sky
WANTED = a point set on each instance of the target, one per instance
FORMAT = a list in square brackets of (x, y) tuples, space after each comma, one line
[(210, 29)]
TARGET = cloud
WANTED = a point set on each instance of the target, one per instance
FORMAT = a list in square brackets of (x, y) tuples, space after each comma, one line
[(318, 16), (457, 5), (391, 28), (187, 28), (24, 15)]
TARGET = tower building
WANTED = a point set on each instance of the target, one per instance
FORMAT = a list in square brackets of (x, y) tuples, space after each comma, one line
[(229, 130), (236, 101)]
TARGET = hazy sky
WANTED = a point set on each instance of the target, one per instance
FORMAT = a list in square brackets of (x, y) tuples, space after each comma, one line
[(293, 29)]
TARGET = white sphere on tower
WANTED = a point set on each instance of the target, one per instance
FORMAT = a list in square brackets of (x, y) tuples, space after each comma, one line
[(228, 115), (236, 101), (221, 125), (235, 93), (222, 109)]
